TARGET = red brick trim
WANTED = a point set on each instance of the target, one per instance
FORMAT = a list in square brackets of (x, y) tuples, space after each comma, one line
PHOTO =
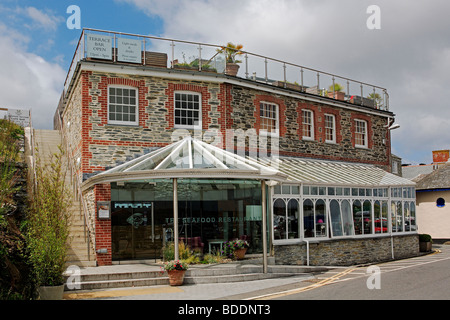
[(281, 112), (316, 114), (103, 231), (170, 104), (368, 120)]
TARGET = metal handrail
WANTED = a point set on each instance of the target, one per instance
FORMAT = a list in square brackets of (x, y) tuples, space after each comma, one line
[(77, 189), (78, 55)]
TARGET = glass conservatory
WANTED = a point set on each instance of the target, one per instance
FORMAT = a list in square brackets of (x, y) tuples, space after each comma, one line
[(326, 199)]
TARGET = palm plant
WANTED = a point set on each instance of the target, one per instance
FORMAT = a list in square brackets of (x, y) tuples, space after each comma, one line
[(231, 51)]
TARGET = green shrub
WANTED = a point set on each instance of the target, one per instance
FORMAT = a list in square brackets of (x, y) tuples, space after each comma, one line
[(184, 251), (48, 225), (425, 238)]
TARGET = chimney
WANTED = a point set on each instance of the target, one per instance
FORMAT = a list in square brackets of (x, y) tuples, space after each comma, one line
[(440, 156)]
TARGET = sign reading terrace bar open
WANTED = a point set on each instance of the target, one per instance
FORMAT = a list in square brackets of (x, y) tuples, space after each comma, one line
[(98, 47)]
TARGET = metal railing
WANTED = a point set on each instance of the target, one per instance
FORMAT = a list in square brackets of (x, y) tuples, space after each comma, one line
[(205, 57), (76, 185)]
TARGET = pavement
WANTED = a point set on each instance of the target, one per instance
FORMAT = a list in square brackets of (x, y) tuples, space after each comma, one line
[(211, 291), (243, 290)]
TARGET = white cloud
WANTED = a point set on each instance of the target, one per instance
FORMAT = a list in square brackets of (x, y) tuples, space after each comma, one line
[(28, 81), (41, 19), (409, 55)]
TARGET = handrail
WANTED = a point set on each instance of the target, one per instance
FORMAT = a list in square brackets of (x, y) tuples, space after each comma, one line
[(77, 188), (80, 53)]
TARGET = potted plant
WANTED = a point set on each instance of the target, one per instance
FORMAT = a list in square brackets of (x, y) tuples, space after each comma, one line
[(231, 51), (235, 249), (336, 92), (176, 270), (425, 242), (47, 232)]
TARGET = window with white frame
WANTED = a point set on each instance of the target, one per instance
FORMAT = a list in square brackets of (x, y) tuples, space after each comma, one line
[(187, 109), (330, 128), (268, 113), (361, 134), (122, 105), (308, 124)]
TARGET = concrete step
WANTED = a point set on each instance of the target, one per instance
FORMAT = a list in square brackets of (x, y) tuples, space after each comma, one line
[(195, 275)]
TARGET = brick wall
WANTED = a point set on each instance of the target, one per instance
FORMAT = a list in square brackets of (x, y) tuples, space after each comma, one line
[(103, 238), (101, 145)]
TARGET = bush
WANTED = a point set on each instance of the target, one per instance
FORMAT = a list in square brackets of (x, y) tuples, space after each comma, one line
[(184, 251), (425, 238), (48, 225)]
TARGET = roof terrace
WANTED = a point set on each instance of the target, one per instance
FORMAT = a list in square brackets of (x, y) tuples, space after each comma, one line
[(140, 50)]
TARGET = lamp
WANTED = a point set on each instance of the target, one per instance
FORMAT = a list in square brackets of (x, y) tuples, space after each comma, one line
[(394, 126)]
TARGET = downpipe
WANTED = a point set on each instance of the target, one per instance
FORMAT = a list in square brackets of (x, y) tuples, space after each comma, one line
[(307, 251)]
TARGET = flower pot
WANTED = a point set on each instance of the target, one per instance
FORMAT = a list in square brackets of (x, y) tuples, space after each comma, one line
[(338, 95), (176, 277), (232, 69), (240, 253), (51, 292)]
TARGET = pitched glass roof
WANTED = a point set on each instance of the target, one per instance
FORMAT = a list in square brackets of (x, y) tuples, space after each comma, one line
[(195, 159), (188, 158), (325, 172)]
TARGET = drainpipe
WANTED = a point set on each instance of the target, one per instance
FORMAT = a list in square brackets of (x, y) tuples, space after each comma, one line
[(307, 251), (264, 224), (390, 221), (175, 218)]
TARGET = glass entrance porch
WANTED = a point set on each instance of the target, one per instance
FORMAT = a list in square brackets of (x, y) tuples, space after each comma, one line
[(210, 212)]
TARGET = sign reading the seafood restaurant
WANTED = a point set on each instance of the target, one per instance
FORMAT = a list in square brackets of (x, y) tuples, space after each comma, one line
[(98, 46), (129, 50)]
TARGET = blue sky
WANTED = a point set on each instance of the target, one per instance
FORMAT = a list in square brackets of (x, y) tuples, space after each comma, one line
[(409, 55)]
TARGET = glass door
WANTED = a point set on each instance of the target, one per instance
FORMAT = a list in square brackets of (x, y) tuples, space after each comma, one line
[(134, 233)]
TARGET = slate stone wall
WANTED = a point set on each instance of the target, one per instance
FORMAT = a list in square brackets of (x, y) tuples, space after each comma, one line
[(347, 252), (225, 108)]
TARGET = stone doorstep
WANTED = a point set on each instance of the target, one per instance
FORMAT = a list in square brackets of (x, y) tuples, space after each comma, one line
[(193, 276)]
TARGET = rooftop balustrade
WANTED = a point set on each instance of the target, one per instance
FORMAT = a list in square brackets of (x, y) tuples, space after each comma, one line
[(125, 48)]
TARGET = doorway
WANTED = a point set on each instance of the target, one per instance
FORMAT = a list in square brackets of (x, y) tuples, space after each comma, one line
[(135, 235)]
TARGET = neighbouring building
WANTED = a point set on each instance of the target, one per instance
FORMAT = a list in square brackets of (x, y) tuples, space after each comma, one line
[(166, 151), (433, 195)]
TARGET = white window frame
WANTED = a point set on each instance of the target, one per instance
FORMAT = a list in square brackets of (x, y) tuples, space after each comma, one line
[(122, 122), (365, 137), (277, 119), (311, 124), (333, 128), (188, 126)]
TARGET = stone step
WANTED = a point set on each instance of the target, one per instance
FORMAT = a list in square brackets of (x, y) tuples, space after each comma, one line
[(196, 275)]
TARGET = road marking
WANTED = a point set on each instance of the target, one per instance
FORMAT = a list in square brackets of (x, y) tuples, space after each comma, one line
[(321, 283)]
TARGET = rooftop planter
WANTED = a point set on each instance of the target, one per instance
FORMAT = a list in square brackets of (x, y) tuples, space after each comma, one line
[(288, 85), (336, 92), (193, 66), (231, 51)]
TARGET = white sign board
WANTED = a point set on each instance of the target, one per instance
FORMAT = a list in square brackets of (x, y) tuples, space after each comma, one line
[(18, 116), (98, 46), (129, 50)]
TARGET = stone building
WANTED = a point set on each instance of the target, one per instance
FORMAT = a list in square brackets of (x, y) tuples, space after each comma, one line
[(189, 152)]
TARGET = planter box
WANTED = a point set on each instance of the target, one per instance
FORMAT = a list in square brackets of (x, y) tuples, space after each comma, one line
[(425, 246), (338, 95), (51, 292), (287, 85)]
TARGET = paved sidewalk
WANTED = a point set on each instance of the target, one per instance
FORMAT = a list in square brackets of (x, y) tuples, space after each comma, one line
[(210, 291)]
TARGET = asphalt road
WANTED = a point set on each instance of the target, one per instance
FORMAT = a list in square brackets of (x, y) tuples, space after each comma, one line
[(421, 278)]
